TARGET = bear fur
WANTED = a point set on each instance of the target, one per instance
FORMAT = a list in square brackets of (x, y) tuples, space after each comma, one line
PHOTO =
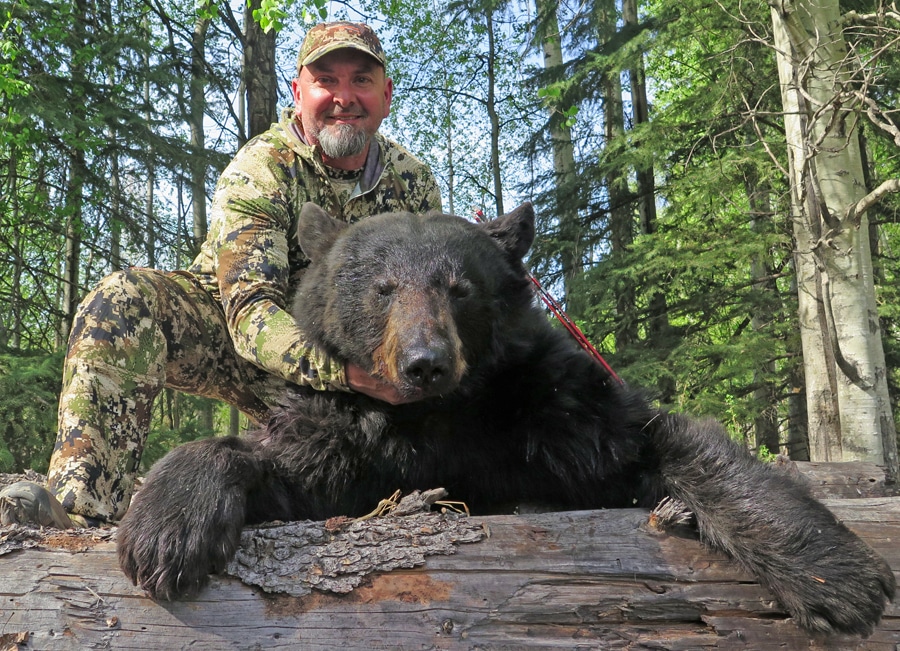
[(510, 410)]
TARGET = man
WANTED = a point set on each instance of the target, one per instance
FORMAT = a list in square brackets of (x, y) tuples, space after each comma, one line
[(220, 328)]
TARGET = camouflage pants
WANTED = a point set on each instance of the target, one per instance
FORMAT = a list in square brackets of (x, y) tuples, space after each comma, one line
[(137, 332)]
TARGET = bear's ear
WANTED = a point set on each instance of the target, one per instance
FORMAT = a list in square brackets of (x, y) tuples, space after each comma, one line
[(317, 230), (514, 231)]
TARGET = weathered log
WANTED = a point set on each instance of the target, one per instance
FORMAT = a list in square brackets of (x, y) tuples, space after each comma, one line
[(593, 579), (849, 479)]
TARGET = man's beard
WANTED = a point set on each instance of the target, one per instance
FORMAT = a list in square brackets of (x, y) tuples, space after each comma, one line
[(342, 140)]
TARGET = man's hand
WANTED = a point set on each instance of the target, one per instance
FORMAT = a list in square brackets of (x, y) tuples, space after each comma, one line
[(361, 381)]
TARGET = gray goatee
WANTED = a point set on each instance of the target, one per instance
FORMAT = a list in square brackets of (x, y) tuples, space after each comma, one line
[(342, 140)]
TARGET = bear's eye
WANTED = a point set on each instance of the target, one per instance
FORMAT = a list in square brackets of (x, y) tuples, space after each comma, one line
[(385, 288), (460, 288)]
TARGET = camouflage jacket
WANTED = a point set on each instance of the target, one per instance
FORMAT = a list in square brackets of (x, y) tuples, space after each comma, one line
[(251, 258)]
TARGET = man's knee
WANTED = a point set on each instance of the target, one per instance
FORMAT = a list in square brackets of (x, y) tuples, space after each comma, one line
[(121, 296)]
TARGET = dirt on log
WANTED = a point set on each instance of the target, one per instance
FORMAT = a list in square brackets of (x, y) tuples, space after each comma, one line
[(570, 580)]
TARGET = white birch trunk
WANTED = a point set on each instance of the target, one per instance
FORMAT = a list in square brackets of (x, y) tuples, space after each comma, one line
[(847, 397)]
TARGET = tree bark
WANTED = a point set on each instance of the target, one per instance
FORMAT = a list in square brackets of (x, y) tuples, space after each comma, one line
[(846, 376), (765, 425), (259, 73), (198, 166), (14, 336), (198, 138), (116, 218), (491, 105), (564, 171), (449, 153), (621, 199), (150, 182), (74, 201), (115, 190), (658, 327)]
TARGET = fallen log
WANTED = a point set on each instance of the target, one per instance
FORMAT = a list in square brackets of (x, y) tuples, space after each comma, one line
[(592, 579)]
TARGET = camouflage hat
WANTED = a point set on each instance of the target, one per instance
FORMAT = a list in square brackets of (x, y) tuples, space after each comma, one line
[(327, 37)]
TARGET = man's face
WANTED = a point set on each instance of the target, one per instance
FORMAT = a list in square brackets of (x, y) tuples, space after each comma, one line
[(341, 99)]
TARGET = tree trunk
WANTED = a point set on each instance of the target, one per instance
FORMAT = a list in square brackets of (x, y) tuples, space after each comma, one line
[(14, 337), (451, 169), (564, 171), (115, 219), (766, 423), (72, 256), (798, 422), (198, 140), (846, 376), (658, 330), (492, 114), (621, 206), (198, 160), (150, 182), (74, 200), (259, 73)]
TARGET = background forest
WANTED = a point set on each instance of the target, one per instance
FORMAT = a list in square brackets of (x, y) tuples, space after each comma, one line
[(716, 183)]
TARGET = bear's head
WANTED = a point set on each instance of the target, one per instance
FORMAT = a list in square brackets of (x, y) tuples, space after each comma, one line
[(417, 300)]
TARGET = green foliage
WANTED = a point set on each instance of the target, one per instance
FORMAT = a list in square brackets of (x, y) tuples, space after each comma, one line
[(765, 455), (83, 118), (207, 10), (271, 14), (10, 83), (698, 304), (29, 385), (29, 392), (721, 341), (446, 90), (177, 419), (715, 351), (552, 95), (888, 297)]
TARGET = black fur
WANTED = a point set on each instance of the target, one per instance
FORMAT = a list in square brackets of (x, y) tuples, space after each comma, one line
[(525, 416)]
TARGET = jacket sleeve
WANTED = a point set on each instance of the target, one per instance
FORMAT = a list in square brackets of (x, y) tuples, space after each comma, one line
[(249, 223), (431, 193)]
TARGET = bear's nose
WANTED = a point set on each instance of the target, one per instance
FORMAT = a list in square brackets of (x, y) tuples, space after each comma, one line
[(428, 369)]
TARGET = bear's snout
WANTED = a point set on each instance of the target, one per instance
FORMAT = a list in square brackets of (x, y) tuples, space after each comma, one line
[(420, 352), (428, 368)]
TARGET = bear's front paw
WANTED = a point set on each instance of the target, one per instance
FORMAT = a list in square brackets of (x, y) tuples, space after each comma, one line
[(186, 520), (846, 592), (169, 553)]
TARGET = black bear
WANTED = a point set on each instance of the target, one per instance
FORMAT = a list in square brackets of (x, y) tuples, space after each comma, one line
[(511, 410)]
